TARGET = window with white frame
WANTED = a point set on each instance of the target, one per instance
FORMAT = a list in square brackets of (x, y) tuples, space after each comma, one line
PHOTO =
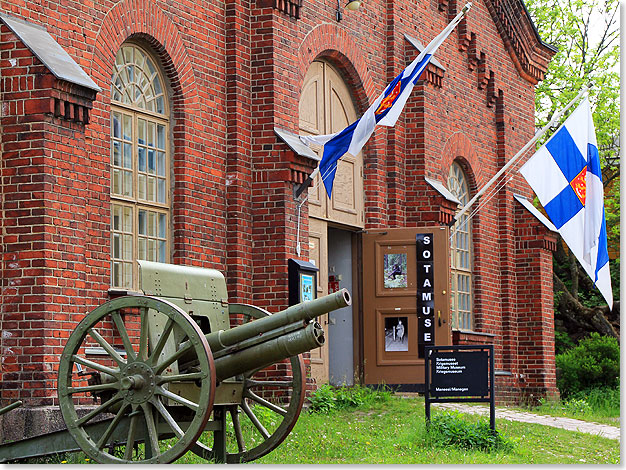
[(140, 177), (461, 254)]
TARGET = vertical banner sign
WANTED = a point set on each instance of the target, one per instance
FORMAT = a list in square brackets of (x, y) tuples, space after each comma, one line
[(425, 292)]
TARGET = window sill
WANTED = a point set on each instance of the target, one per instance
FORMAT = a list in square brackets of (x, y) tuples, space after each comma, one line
[(114, 293), (471, 337)]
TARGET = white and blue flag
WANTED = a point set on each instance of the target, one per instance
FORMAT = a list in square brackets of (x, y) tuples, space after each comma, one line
[(566, 177), (384, 111)]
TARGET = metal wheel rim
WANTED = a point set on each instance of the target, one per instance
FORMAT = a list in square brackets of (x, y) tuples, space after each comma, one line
[(206, 379), (293, 410)]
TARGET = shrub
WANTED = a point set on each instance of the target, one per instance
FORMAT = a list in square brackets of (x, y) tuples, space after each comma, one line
[(323, 399), (562, 342), (593, 363), (450, 429)]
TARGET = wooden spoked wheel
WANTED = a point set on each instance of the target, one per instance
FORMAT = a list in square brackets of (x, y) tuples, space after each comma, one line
[(138, 347), (272, 399)]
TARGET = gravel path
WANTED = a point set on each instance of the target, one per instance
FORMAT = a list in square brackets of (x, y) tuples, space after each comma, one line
[(604, 430)]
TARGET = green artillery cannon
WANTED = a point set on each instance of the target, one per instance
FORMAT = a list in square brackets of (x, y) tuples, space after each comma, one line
[(166, 366)]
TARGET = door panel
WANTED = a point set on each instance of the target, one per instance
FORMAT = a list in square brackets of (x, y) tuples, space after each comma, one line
[(318, 253), (346, 205), (312, 121), (391, 310)]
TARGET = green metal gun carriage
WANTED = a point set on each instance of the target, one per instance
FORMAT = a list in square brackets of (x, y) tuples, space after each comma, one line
[(166, 366)]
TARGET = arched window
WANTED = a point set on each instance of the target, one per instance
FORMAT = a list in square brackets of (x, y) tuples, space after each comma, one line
[(140, 162), (461, 254)]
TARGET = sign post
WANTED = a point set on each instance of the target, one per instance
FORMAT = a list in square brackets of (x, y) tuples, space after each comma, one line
[(460, 374)]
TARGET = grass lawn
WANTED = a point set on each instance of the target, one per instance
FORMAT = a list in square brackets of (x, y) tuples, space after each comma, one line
[(394, 432)]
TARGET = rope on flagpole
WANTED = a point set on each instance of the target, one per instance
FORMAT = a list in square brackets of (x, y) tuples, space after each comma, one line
[(522, 151), (323, 178)]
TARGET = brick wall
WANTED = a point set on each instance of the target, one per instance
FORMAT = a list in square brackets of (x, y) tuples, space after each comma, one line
[(235, 70)]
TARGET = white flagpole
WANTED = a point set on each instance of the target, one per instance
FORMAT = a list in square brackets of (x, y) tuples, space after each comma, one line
[(531, 142)]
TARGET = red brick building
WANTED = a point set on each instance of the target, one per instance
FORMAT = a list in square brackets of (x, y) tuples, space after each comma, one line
[(161, 130)]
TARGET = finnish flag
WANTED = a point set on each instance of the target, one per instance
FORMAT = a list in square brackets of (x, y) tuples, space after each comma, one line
[(384, 111), (566, 177)]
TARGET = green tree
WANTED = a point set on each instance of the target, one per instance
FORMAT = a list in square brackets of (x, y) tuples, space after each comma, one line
[(587, 37)]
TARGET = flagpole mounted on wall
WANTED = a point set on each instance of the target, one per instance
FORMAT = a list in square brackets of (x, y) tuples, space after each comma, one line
[(523, 151)]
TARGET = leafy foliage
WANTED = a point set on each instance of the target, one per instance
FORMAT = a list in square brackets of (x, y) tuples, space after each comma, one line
[(450, 429), (327, 398), (593, 363)]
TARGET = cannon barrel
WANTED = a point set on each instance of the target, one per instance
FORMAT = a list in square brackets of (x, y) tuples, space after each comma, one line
[(302, 312), (274, 338), (268, 352)]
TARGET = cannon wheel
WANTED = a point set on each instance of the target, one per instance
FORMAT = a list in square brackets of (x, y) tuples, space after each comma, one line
[(134, 390), (252, 394)]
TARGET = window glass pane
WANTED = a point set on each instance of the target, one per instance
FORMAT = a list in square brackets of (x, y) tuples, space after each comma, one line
[(141, 131), (128, 183), (142, 249), (116, 125), (141, 159), (161, 191), (117, 153), (117, 182), (152, 221), (162, 225), (150, 136), (128, 155), (128, 275), (161, 163), (117, 217), (151, 162), (128, 127), (117, 241), (128, 219), (116, 274), (142, 223), (141, 187), (161, 137), (162, 247)]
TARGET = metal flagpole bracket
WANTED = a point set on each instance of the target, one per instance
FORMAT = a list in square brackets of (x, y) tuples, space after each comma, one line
[(297, 190)]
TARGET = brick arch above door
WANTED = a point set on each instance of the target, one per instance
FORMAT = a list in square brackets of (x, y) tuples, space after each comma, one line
[(326, 106)]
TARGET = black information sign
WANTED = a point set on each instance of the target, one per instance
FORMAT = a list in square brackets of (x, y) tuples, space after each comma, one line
[(460, 374), (425, 292)]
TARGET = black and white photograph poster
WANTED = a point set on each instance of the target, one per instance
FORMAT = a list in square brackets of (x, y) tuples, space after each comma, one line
[(396, 334)]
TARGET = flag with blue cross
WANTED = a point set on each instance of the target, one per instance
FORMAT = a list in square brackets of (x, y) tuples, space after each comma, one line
[(566, 177)]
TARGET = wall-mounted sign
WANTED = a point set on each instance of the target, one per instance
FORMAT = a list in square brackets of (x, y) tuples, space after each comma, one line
[(302, 281), (425, 292), (306, 287)]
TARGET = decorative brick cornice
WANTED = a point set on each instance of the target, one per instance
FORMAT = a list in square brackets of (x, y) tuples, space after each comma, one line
[(529, 53), (289, 7)]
